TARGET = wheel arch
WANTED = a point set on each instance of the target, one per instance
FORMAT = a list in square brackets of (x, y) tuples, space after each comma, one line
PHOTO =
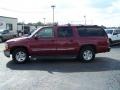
[(88, 45), (19, 47)]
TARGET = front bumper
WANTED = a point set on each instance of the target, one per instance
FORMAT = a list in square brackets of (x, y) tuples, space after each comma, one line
[(7, 53)]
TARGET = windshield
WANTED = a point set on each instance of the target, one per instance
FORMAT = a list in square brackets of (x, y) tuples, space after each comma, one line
[(33, 32), (30, 32), (109, 31)]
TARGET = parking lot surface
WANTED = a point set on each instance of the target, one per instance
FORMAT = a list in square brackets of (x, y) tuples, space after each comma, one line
[(69, 74)]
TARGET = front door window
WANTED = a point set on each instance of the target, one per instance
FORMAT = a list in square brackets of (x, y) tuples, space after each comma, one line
[(45, 33)]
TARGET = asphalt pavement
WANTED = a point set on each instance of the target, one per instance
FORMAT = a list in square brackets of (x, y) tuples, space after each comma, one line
[(69, 74)]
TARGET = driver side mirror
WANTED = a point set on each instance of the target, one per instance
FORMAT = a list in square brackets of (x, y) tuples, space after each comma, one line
[(36, 37)]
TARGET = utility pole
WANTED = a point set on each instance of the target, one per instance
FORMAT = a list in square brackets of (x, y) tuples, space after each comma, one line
[(23, 26), (85, 19), (44, 20), (53, 6)]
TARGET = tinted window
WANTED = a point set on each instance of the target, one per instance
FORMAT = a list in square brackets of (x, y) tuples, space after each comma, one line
[(91, 31), (65, 32), (109, 31), (45, 32), (96, 32), (82, 31)]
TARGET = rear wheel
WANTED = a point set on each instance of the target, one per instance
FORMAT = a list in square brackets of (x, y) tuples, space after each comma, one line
[(20, 56), (87, 54)]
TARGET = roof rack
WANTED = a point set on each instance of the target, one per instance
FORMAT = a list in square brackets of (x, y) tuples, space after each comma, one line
[(75, 25)]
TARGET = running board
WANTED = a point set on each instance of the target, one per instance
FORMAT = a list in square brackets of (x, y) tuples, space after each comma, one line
[(52, 57)]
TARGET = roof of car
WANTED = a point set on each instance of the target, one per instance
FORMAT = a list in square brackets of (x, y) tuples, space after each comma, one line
[(70, 25), (77, 25)]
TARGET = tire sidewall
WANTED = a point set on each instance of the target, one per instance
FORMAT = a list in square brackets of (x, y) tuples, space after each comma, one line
[(82, 52), (110, 42), (14, 55)]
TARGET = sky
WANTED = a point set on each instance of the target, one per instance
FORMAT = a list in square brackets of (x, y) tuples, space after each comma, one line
[(97, 12)]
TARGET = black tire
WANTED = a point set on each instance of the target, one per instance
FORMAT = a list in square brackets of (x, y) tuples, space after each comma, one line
[(110, 42), (17, 59), (90, 50)]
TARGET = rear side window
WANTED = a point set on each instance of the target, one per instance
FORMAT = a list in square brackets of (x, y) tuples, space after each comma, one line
[(65, 32), (91, 31)]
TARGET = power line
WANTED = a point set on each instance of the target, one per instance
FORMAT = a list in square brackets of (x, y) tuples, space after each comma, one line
[(17, 11)]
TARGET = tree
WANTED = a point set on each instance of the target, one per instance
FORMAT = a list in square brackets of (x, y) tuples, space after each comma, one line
[(30, 24), (39, 24), (20, 23)]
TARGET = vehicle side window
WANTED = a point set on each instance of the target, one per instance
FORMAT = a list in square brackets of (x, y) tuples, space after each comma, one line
[(96, 32), (45, 33), (5, 32), (65, 32), (9, 26), (91, 31), (109, 31), (82, 31)]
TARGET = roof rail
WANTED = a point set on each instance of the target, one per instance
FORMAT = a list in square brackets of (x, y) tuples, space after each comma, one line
[(74, 25)]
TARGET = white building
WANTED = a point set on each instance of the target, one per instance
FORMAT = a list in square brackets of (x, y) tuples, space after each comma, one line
[(8, 23), (25, 28)]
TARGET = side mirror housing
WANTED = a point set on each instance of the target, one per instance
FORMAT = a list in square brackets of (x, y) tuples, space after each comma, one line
[(36, 37)]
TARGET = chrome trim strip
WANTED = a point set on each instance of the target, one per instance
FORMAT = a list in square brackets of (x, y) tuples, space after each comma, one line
[(52, 49)]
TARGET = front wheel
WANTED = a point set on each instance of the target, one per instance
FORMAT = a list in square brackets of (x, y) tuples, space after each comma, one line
[(87, 54), (20, 56)]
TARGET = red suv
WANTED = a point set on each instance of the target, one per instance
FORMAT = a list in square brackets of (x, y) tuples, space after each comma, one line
[(79, 41)]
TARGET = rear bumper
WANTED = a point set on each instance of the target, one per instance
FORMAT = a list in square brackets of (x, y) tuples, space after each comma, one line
[(7, 53), (103, 49)]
